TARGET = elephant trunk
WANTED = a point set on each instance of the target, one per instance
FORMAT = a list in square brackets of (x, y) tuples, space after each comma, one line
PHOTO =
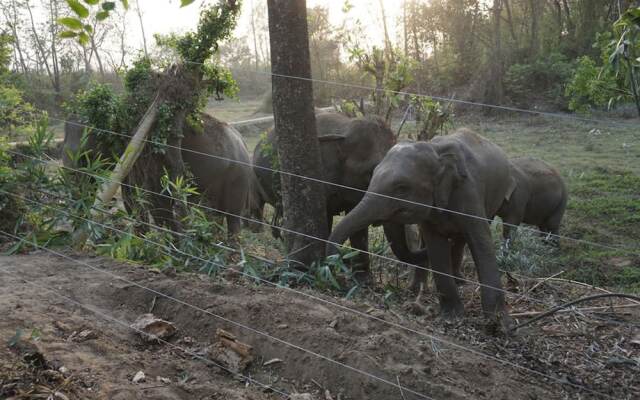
[(365, 214)]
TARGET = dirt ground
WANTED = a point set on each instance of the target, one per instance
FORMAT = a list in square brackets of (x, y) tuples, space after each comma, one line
[(601, 354)]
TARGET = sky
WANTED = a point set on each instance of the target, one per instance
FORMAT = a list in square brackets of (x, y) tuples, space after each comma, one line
[(165, 16)]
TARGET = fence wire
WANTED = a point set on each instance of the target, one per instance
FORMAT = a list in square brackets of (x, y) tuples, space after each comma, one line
[(400, 326)]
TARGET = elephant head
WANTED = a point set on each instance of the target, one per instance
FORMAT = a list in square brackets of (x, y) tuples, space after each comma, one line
[(412, 180), (359, 149)]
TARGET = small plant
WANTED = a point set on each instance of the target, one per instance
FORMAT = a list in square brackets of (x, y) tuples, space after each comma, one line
[(432, 117), (350, 108), (525, 252)]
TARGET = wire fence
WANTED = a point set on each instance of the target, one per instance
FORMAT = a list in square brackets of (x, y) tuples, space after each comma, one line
[(269, 336), (633, 251), (433, 270)]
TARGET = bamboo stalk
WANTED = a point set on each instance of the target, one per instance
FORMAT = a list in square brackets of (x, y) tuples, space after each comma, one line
[(111, 186)]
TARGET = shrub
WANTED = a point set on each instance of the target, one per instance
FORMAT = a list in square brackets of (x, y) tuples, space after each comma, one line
[(545, 77)]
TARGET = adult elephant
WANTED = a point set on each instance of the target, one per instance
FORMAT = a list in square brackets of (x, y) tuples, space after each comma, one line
[(350, 150), (450, 186), (216, 155)]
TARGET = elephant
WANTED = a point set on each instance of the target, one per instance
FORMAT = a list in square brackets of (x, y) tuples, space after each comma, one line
[(225, 179), (539, 198), (350, 150), (450, 186)]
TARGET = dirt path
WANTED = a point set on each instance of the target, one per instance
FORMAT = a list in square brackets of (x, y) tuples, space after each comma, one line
[(102, 367)]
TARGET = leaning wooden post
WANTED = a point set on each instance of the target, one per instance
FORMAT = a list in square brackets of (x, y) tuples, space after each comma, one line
[(110, 187)]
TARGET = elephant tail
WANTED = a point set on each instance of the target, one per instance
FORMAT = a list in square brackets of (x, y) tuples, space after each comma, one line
[(256, 197)]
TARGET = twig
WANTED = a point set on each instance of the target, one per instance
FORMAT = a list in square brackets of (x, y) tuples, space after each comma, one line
[(400, 387), (598, 308), (153, 304), (569, 304), (587, 285), (524, 295), (404, 119)]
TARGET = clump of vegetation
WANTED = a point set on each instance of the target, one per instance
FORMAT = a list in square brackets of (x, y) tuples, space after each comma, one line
[(527, 253), (432, 117), (545, 77), (14, 111), (613, 78)]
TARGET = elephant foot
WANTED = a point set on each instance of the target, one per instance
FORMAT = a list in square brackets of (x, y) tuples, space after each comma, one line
[(363, 278), (419, 280), (450, 310), (500, 324)]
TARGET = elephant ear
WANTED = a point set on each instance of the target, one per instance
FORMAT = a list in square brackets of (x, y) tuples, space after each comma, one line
[(452, 172), (338, 141), (513, 184)]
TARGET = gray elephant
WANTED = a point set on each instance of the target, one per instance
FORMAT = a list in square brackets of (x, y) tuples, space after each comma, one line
[(539, 198), (450, 186), (350, 150), (225, 180)]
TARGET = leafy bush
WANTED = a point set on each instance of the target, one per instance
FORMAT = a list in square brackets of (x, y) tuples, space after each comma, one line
[(589, 87), (605, 82), (546, 77), (432, 117), (526, 252)]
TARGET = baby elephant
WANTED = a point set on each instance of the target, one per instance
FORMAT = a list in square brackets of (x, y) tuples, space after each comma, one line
[(539, 199)]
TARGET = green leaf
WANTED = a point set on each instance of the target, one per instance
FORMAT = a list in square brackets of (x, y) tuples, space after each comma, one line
[(108, 5), (125, 3), (83, 38), (15, 339), (184, 3), (78, 8), (88, 28), (92, 2), (70, 22), (102, 15), (67, 34)]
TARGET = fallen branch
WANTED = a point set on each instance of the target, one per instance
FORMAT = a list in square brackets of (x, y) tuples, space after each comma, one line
[(569, 304), (542, 281), (586, 285), (111, 186), (584, 309)]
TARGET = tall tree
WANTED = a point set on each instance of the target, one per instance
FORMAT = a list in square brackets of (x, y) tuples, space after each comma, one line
[(144, 37), (295, 124), (494, 92)]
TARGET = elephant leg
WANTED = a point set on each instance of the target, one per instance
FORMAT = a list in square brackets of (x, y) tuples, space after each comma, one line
[(399, 241), (440, 254), (234, 225), (552, 225), (162, 213), (276, 222), (360, 241), (510, 223), (478, 236), (457, 254)]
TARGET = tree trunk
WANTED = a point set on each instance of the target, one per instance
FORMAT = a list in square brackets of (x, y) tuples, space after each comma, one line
[(144, 37), (255, 38), (534, 38), (297, 143), (53, 9), (41, 54), (494, 91)]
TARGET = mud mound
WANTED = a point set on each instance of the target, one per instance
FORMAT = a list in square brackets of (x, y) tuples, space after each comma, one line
[(104, 366)]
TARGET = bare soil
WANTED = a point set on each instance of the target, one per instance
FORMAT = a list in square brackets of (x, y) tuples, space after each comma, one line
[(600, 352)]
